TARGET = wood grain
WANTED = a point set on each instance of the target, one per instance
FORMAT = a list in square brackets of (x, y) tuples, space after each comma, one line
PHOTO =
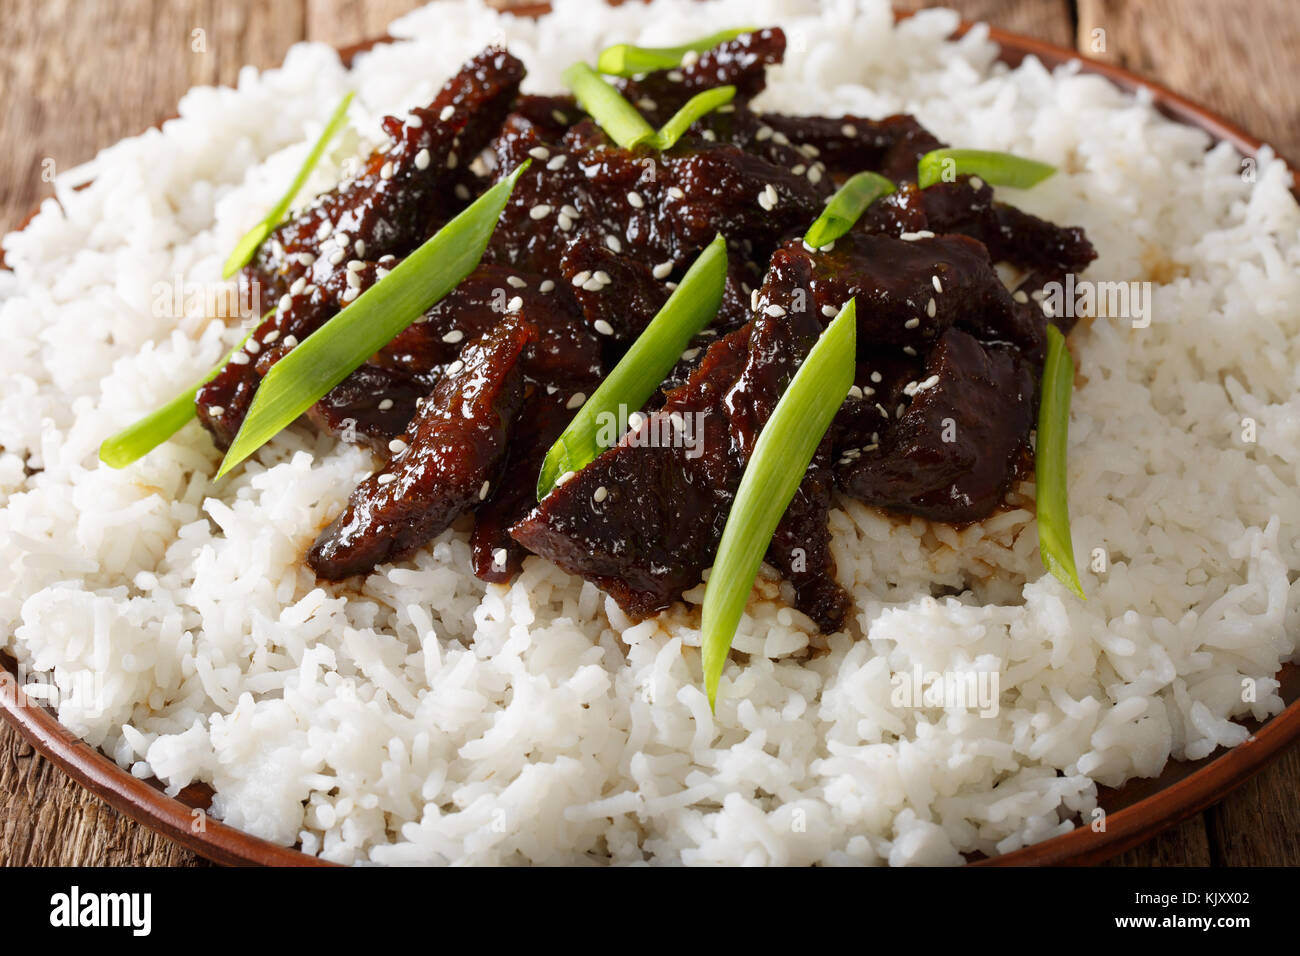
[(77, 75)]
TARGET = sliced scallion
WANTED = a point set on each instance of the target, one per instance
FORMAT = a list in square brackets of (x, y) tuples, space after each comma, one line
[(1050, 474), (1000, 169), (846, 207), (615, 115), (777, 465), (138, 439), (697, 106), (366, 325), (642, 369), (627, 60), (248, 245)]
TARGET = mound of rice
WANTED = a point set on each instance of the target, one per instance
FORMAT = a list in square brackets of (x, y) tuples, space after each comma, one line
[(422, 716)]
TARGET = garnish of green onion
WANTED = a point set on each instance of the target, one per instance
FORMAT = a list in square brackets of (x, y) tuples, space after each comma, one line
[(615, 115), (247, 246), (777, 465), (643, 368), (337, 348), (698, 105), (846, 207), (138, 439), (1054, 543), (1000, 169), (627, 60)]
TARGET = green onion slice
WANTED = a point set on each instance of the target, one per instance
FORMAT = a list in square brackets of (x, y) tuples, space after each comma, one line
[(615, 115), (247, 246), (138, 439), (337, 348), (1000, 169), (780, 458), (627, 60), (698, 105), (652, 356), (1054, 542), (845, 208)]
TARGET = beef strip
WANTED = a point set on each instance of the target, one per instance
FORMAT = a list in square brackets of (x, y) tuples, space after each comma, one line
[(453, 453)]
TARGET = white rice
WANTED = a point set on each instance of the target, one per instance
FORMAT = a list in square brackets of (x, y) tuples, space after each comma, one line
[(423, 716)]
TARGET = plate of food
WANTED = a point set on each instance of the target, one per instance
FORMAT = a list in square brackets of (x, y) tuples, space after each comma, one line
[(702, 433)]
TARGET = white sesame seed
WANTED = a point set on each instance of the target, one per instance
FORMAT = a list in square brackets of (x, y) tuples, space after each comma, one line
[(252, 347), (422, 159), (515, 304), (306, 258), (559, 117), (581, 278), (976, 183), (546, 286), (452, 160), (386, 171), (298, 285), (911, 323), (601, 276), (349, 294), (447, 113), (385, 404), (216, 411), (462, 191), (575, 401), (848, 129), (540, 211), (646, 103), (397, 446), (709, 135), (539, 152), (414, 121), (283, 303), (386, 479), (780, 139), (764, 133), (270, 337), (564, 222), (603, 327), (483, 492), (635, 421), (359, 247), (290, 341), (768, 198), (908, 350), (676, 192), (517, 282), (354, 280), (336, 257), (454, 336), (830, 311), (753, 300), (634, 200), (570, 211), (613, 243), (662, 271), (240, 358), (876, 377), (799, 169), (593, 285), (557, 161), (775, 310), (675, 76), (1020, 296), (456, 367), (931, 308), (499, 557), (601, 494), (355, 265), (814, 175), (565, 477), (690, 354), (855, 392), (898, 412)]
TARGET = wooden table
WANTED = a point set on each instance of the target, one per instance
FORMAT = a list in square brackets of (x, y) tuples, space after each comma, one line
[(77, 75)]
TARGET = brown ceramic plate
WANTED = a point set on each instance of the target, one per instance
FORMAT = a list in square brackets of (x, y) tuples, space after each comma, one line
[(1134, 813)]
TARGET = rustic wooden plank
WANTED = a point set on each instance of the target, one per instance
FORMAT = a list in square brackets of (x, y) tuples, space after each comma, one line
[(1240, 60), (1187, 844), (1259, 823)]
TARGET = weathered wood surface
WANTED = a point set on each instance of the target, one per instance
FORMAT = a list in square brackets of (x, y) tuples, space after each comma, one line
[(77, 75)]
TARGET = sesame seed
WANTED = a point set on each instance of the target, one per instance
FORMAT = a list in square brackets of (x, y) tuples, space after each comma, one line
[(593, 285), (635, 421), (575, 401), (462, 191), (451, 160), (354, 280), (613, 243), (350, 294), (775, 311), (386, 171), (290, 341), (414, 121), (454, 336), (884, 412), (848, 129), (601, 494), (581, 278), (336, 257), (855, 392), (634, 200), (976, 183), (601, 276), (931, 308), (546, 286), (753, 301), (397, 446), (570, 211), (557, 161), (815, 175), (564, 222), (876, 377), (499, 557), (385, 404), (603, 327), (908, 350), (240, 358), (559, 117), (284, 302), (298, 285), (830, 311), (764, 133), (565, 477), (663, 270), (769, 197), (422, 159), (898, 412), (911, 323), (483, 492), (342, 239), (676, 192), (799, 169), (540, 211), (675, 76), (386, 479), (515, 304), (517, 282), (216, 411), (780, 139), (1020, 296), (306, 258), (447, 113), (456, 367), (355, 265), (253, 347), (539, 152), (913, 236), (270, 337), (646, 103), (690, 354)]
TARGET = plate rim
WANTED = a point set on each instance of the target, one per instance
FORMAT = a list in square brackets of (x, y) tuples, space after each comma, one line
[(1125, 828)]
